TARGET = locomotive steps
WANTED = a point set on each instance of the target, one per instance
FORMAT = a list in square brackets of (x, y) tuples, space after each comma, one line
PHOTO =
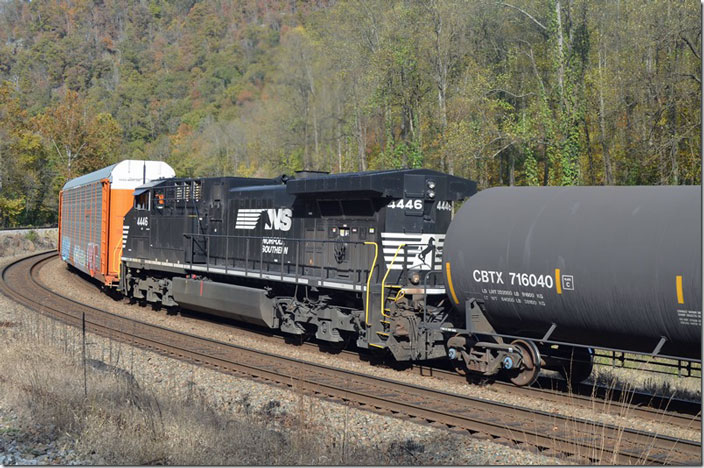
[(513, 424)]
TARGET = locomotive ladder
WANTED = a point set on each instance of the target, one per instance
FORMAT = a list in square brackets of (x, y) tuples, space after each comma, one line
[(386, 295)]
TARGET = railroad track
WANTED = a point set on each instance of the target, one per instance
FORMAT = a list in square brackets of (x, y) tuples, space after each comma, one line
[(685, 414), (553, 434), (10, 230), (680, 413)]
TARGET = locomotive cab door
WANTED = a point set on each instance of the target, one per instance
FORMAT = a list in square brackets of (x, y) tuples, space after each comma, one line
[(218, 251), (197, 241), (140, 233)]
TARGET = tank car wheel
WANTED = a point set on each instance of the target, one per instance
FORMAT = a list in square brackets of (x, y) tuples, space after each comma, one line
[(578, 367), (530, 365)]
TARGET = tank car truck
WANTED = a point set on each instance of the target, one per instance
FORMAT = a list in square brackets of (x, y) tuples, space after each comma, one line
[(345, 257)]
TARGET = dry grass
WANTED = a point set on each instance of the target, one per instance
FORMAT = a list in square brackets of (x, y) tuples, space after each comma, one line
[(671, 385), (111, 419), (120, 421)]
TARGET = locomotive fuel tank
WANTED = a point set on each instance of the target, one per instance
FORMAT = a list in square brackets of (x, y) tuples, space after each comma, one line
[(610, 267)]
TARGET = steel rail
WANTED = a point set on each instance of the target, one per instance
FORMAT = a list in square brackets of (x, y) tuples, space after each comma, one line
[(587, 440), (29, 228), (684, 414)]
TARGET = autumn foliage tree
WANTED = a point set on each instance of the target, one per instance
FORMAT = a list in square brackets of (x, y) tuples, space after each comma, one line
[(24, 174), (505, 92), (79, 141)]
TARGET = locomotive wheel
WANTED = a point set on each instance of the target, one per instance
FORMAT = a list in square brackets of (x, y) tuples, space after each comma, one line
[(530, 366), (578, 367)]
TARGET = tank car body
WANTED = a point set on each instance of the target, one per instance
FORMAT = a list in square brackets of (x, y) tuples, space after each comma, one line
[(91, 210), (608, 267), (339, 257)]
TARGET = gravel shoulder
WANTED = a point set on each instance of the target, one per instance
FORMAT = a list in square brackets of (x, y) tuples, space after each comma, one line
[(339, 427), (56, 275)]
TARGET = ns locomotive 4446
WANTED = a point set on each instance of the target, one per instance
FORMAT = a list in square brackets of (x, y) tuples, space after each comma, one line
[(361, 258), (339, 257)]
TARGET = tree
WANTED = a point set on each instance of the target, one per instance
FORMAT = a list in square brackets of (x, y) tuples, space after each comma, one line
[(80, 141)]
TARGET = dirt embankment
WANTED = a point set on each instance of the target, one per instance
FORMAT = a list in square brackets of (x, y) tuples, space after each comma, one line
[(27, 241)]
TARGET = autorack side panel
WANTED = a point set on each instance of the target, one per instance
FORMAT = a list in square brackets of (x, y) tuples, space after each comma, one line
[(120, 203), (91, 215), (81, 224)]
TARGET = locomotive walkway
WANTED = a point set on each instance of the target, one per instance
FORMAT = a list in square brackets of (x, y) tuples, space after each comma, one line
[(585, 440)]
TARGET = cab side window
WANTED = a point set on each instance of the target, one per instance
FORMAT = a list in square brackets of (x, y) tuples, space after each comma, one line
[(142, 201)]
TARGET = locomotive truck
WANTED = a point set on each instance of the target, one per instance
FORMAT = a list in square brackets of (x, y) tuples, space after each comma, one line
[(520, 279)]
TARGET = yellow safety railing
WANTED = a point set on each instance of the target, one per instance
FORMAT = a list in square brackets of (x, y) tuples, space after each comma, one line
[(116, 259), (383, 282), (369, 279)]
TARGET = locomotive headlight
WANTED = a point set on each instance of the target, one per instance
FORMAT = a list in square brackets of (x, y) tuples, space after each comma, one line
[(431, 184), (431, 193), (414, 277)]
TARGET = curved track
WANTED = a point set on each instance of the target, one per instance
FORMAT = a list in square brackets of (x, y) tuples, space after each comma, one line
[(553, 434), (681, 413)]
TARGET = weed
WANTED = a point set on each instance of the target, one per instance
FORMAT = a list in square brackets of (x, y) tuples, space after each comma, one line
[(31, 235), (122, 421)]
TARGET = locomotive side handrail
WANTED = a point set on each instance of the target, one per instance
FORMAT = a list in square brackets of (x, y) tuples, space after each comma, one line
[(117, 258), (359, 273)]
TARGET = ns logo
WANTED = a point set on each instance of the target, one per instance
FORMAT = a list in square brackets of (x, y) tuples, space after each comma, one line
[(278, 219)]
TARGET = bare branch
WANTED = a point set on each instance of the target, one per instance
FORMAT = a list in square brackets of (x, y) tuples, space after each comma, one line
[(693, 76), (57, 148), (501, 150), (540, 25), (691, 47)]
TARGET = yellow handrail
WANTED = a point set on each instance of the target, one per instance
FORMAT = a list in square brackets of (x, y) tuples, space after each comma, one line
[(383, 282), (117, 257), (369, 279)]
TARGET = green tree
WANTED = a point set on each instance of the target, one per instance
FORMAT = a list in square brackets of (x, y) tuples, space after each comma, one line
[(79, 141)]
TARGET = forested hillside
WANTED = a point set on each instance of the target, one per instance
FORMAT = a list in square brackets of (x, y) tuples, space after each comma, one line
[(522, 92)]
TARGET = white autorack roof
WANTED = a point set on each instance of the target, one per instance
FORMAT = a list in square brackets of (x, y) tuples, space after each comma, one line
[(126, 174)]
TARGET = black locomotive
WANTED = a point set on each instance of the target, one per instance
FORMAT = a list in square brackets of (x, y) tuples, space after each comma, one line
[(348, 257)]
